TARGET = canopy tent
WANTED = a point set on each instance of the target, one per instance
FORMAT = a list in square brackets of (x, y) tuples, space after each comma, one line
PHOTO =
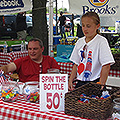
[(14, 6), (108, 10), (50, 27)]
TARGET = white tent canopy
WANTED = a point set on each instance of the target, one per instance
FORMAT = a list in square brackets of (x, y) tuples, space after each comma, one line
[(14, 6), (50, 26), (107, 7), (108, 10)]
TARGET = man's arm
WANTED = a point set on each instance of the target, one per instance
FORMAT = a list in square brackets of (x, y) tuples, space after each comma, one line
[(8, 68)]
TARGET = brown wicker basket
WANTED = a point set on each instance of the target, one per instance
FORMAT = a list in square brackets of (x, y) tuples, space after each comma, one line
[(99, 109)]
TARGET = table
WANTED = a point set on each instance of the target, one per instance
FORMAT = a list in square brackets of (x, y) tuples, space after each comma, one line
[(22, 110), (66, 68)]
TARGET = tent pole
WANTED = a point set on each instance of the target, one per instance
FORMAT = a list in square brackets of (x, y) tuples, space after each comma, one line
[(50, 26), (56, 19)]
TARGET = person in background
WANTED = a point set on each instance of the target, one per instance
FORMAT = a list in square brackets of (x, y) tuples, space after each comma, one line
[(79, 31), (92, 55), (72, 21), (28, 68), (71, 27), (62, 20), (21, 26)]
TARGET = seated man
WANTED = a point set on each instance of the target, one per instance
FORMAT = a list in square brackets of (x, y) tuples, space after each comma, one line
[(29, 67)]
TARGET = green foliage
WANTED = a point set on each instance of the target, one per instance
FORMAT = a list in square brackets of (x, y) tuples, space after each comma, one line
[(115, 50), (64, 10)]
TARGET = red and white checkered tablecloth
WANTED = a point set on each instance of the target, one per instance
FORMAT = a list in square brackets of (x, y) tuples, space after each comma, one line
[(16, 55), (65, 68), (22, 110), (114, 73), (5, 58)]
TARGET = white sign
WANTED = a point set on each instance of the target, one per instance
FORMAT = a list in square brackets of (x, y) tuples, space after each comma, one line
[(52, 91), (14, 6), (102, 7)]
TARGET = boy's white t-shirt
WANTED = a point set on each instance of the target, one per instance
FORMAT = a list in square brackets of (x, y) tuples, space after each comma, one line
[(97, 54)]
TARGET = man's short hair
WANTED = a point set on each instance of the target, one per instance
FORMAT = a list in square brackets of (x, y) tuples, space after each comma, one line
[(37, 39)]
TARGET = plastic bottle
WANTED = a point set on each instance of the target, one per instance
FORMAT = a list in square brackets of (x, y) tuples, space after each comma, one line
[(22, 46), (5, 47), (52, 53)]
